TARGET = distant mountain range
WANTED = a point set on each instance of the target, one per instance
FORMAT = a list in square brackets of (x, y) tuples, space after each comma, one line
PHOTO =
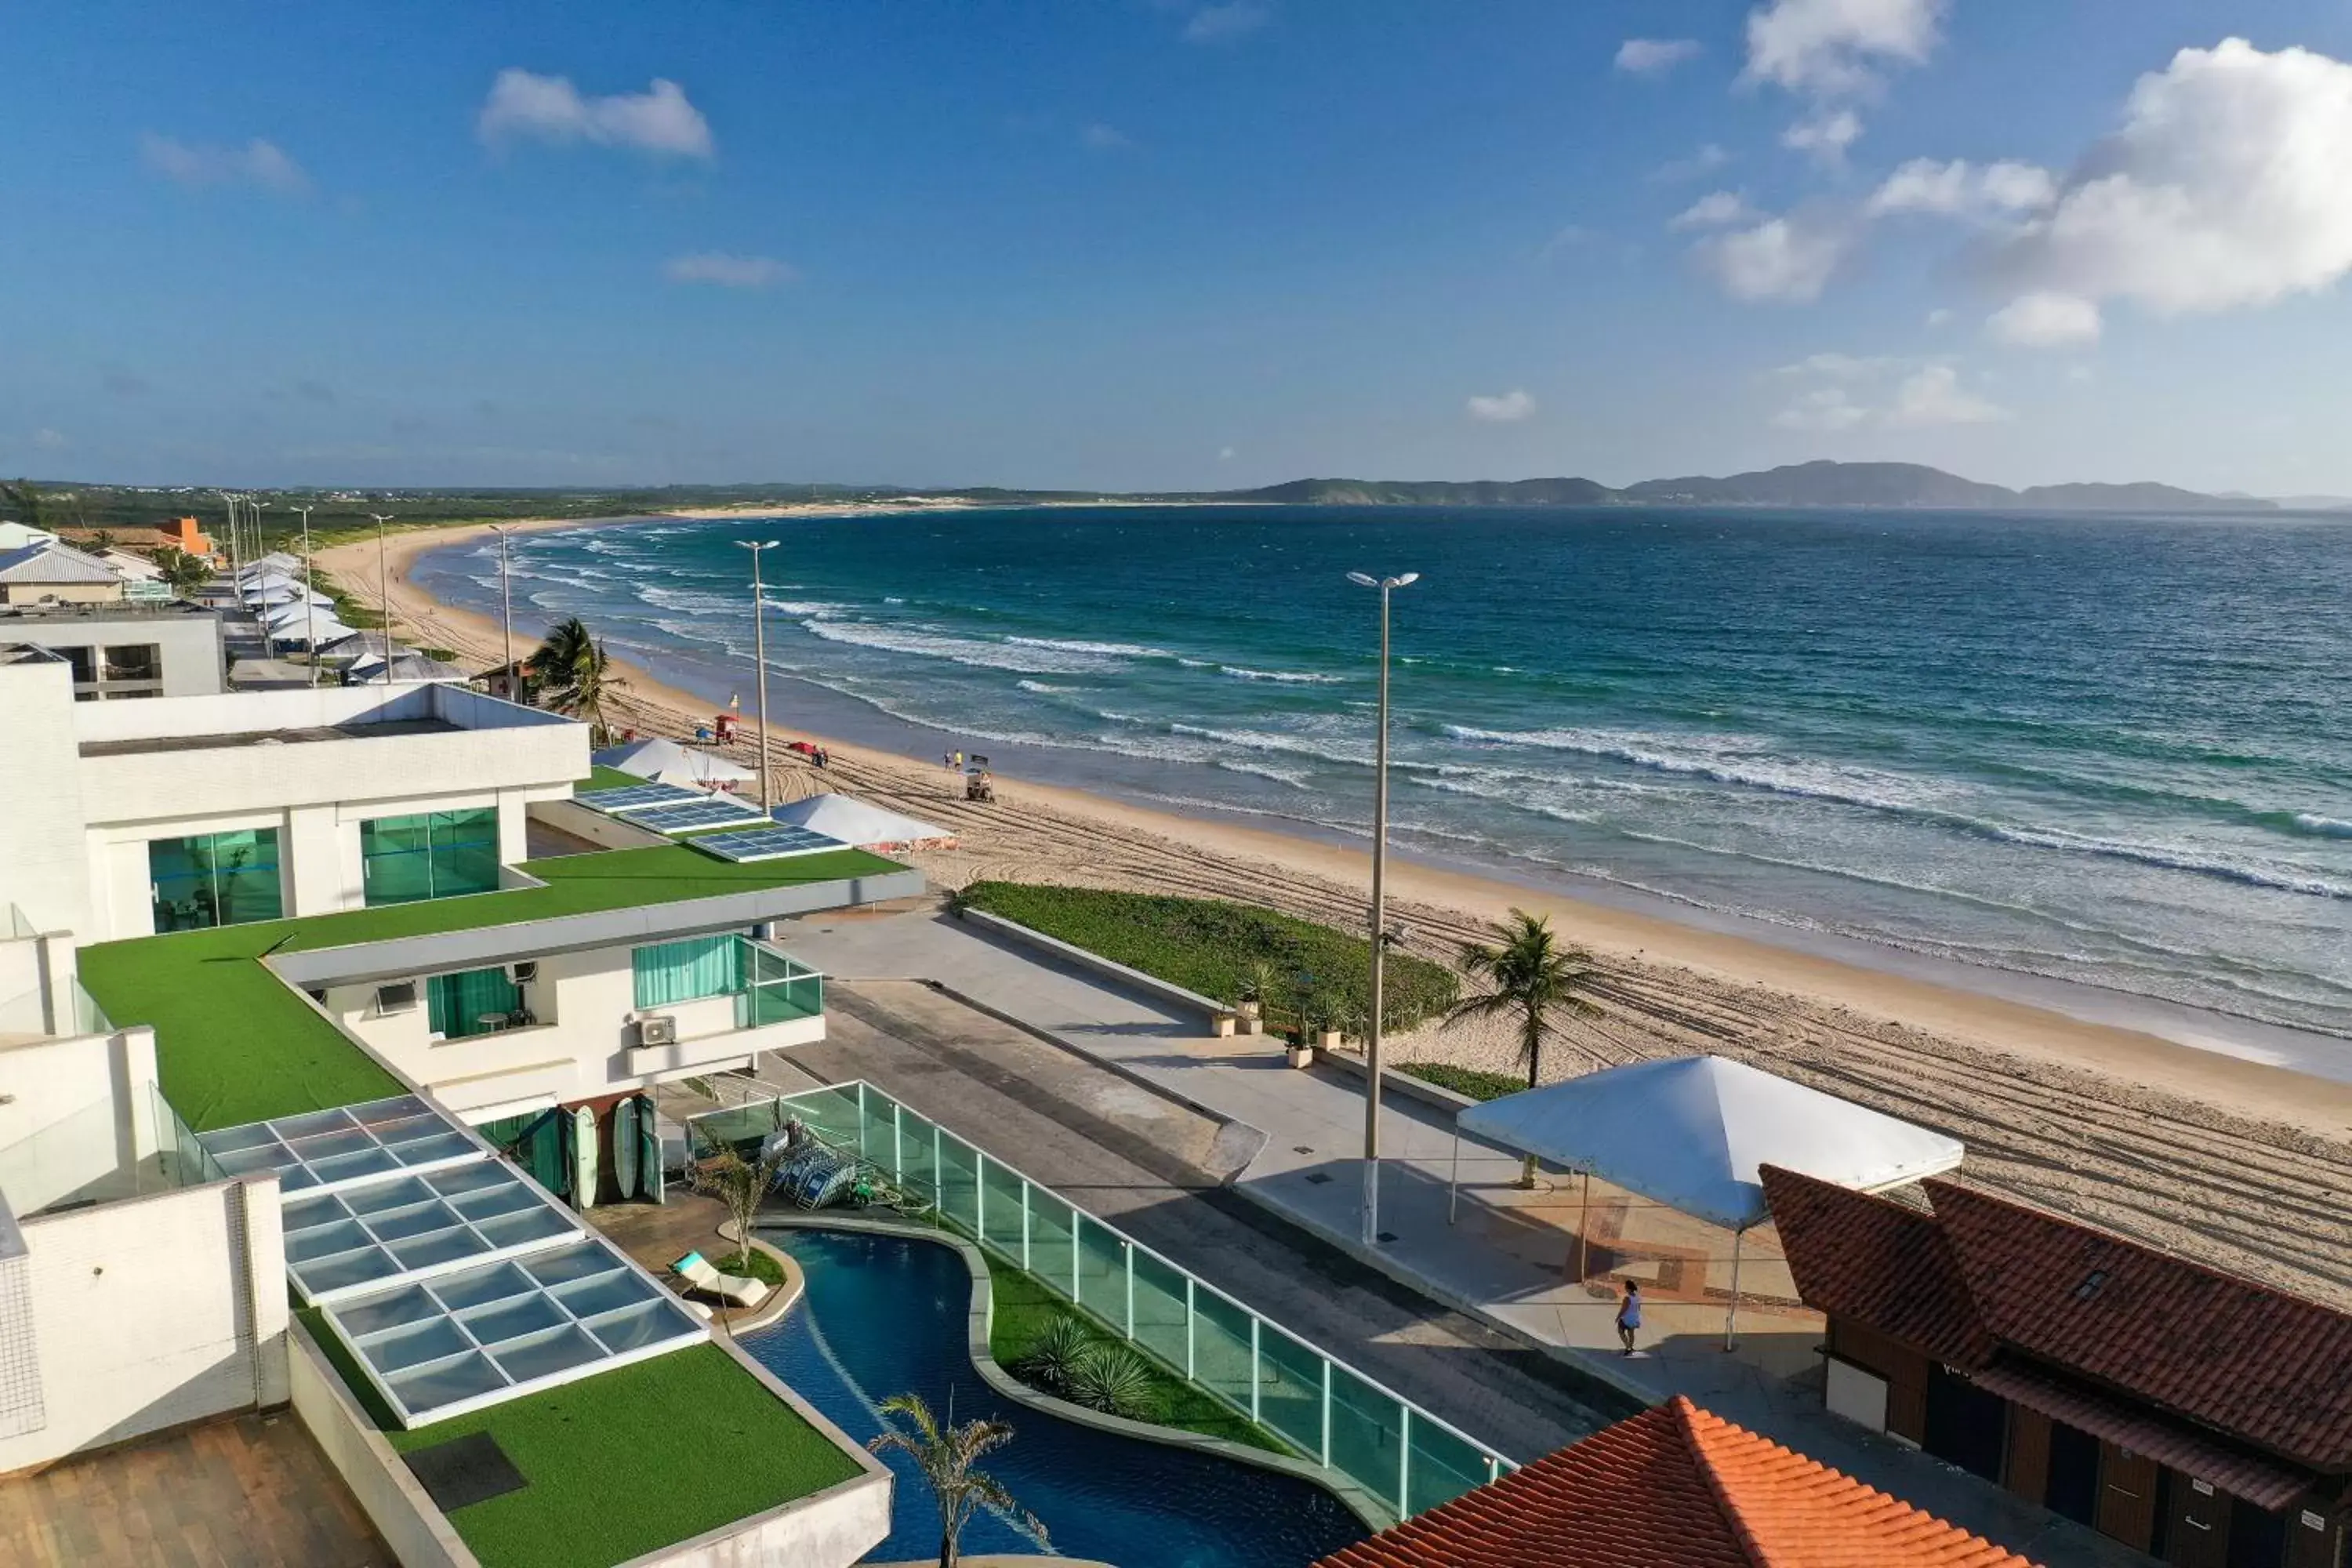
[(1815, 484)]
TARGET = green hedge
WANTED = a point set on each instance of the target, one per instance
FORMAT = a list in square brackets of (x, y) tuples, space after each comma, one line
[(1473, 1081), (1210, 945)]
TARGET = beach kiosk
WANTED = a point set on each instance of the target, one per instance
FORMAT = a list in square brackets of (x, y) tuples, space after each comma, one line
[(1690, 1133)]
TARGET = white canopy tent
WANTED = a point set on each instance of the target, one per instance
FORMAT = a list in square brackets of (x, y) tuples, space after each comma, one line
[(667, 762), (863, 824), (1690, 1133)]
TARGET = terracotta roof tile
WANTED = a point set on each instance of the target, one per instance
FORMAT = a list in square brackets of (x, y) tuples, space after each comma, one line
[(1877, 1262), (1675, 1484), (2273, 1369)]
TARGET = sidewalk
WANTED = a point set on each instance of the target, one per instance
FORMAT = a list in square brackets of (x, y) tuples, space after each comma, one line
[(1510, 1258)]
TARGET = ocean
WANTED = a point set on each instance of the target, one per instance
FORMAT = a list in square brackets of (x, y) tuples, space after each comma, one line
[(2109, 750)]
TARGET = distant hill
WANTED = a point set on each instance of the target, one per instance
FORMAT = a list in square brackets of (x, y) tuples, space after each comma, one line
[(1816, 484)]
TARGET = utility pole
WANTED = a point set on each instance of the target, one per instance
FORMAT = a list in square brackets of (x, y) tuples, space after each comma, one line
[(310, 610), (760, 653), (1387, 586), (268, 642), (506, 605), (383, 591)]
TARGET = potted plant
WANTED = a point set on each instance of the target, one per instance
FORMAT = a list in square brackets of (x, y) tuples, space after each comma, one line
[(1331, 1017), (1296, 1048), (1259, 983)]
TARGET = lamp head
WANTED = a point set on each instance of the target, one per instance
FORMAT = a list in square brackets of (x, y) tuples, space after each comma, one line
[(1406, 581), (1363, 580)]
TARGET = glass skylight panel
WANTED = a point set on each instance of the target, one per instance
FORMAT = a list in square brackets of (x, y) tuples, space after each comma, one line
[(708, 812), (636, 797), (343, 1243), (320, 1149), (441, 1346), (775, 843)]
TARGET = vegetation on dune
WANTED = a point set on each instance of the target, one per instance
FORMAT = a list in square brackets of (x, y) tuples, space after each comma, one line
[(1473, 1082), (1232, 952)]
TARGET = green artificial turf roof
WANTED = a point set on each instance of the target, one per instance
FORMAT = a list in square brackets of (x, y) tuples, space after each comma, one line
[(235, 1044)]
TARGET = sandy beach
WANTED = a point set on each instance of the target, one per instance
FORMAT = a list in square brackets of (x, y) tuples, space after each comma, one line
[(2247, 1165)]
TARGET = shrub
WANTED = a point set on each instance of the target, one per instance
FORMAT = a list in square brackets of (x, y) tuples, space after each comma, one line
[(1052, 1359), (1216, 947), (1472, 1081), (1115, 1381)]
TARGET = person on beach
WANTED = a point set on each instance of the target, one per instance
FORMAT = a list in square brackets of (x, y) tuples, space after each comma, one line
[(947, 759), (1628, 1315), (958, 762)]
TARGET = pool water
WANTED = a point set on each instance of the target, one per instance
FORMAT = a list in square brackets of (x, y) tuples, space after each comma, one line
[(886, 1315)]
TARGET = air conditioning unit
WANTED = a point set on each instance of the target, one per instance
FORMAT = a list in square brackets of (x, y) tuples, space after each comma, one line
[(522, 973), (400, 996), (660, 1030)]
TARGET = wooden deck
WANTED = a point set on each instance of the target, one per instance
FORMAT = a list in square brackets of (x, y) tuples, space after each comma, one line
[(254, 1491)]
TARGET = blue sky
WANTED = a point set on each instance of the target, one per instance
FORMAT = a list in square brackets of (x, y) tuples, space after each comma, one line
[(1160, 243)]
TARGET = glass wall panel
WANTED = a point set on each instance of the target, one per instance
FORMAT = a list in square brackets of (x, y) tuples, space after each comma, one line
[(1366, 1435), (1443, 1468), (874, 1141), (1001, 1216), (919, 1138), (435, 854), (1221, 1348), (1102, 1272), (1160, 1309), (1052, 1248), (215, 879), (1290, 1389), (959, 1181)]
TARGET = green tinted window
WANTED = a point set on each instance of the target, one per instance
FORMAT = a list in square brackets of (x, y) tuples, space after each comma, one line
[(437, 854), (215, 879)]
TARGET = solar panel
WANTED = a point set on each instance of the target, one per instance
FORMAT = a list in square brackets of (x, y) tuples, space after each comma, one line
[(709, 812), (637, 797), (765, 844)]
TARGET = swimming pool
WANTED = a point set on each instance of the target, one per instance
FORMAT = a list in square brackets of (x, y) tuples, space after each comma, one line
[(886, 1314)]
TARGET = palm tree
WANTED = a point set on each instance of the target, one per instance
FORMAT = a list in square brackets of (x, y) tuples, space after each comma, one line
[(574, 675), (1530, 979), (183, 573), (946, 1456)]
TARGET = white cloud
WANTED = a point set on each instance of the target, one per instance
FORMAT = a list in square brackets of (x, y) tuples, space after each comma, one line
[(1940, 316), (1705, 161), (1655, 56), (1962, 189), (1507, 408), (1932, 396), (1221, 23), (1716, 210), (2044, 320), (1226, 453), (49, 440), (728, 272), (1787, 258), (2224, 188), (523, 106), (258, 163), (1844, 367), (1101, 138), (1825, 136), (1837, 46), (1824, 409)]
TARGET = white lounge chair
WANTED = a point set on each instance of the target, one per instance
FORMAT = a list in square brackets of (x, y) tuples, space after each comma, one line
[(732, 1288)]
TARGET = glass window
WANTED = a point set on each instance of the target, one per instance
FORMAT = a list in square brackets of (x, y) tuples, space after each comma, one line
[(681, 970), (79, 657), (134, 661), (473, 1002), (437, 854), (215, 879)]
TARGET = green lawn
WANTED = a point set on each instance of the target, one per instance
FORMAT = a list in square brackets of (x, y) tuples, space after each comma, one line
[(601, 777), (628, 1460), (1471, 1081), (1209, 945), (1023, 1308), (235, 1044)]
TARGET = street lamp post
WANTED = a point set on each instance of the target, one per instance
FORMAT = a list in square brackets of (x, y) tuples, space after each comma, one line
[(310, 610), (268, 642), (1387, 586), (506, 606), (384, 594), (760, 653)]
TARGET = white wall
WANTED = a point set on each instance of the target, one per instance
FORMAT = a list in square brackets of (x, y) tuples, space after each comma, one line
[(419, 1534), (74, 1114), (153, 1313), (43, 869)]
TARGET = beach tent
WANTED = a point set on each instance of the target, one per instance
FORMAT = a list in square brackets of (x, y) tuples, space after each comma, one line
[(276, 561), (667, 762), (863, 824), (369, 645), (404, 666), (1690, 1132)]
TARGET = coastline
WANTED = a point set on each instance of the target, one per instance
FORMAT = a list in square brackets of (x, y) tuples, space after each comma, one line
[(2001, 1072)]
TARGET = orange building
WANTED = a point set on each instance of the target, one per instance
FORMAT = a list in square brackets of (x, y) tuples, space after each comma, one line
[(184, 534)]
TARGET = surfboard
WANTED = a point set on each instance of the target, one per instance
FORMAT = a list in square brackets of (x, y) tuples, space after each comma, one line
[(651, 1181), (624, 1147), (583, 1158)]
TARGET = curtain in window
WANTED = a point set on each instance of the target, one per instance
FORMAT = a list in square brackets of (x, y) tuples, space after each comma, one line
[(455, 1004), (681, 970)]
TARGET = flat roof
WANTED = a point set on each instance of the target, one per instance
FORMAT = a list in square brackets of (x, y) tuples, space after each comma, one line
[(111, 610), (236, 1043), (379, 730)]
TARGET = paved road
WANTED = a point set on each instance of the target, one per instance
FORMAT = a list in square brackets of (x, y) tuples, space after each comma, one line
[(1157, 1170)]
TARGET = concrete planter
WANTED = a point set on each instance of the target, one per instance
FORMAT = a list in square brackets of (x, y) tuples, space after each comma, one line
[(1299, 1056), (1328, 1040)]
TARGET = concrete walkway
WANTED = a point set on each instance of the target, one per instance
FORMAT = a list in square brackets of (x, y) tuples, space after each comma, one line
[(1510, 1258)]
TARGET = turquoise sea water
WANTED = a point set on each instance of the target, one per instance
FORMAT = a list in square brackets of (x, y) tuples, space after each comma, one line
[(2116, 751)]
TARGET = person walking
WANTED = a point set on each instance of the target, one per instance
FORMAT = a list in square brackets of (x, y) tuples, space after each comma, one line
[(1628, 1315)]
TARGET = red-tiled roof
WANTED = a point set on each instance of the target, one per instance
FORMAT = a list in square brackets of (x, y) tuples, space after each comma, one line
[(1876, 1262), (2271, 1368), (1675, 1484)]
